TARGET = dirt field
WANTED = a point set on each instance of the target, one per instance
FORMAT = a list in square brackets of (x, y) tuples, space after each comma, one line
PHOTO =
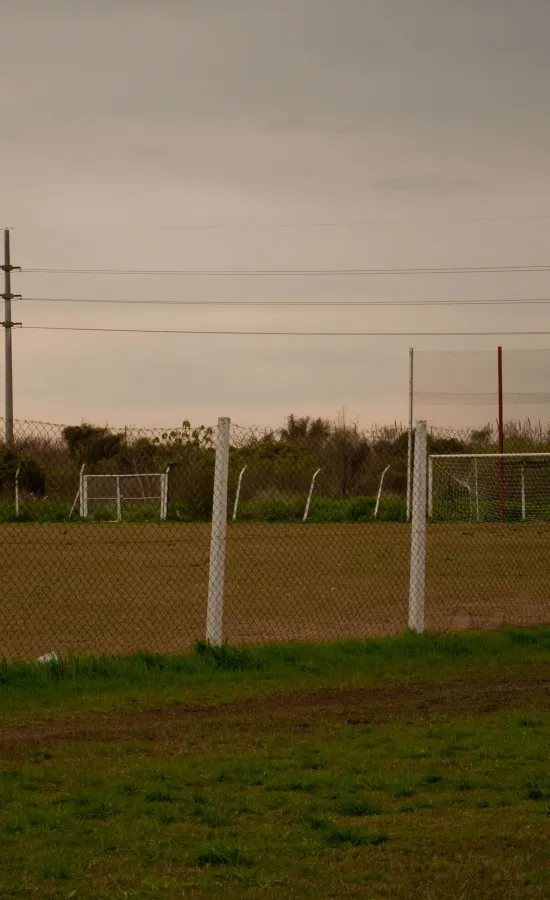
[(113, 588)]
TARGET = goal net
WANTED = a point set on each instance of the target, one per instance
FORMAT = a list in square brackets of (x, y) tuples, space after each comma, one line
[(115, 497), (489, 487)]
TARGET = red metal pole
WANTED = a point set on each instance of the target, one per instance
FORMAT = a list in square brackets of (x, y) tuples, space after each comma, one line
[(501, 438)]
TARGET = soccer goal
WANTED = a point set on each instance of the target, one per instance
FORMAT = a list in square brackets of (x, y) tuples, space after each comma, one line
[(489, 487), (104, 494)]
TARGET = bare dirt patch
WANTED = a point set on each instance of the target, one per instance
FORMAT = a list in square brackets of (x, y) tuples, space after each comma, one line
[(118, 588), (291, 711)]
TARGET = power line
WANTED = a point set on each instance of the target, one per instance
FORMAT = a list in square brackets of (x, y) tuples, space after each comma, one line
[(456, 270), (286, 333), (287, 303), (334, 223), (353, 223)]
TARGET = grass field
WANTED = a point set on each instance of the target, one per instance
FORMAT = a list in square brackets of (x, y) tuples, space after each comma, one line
[(387, 769), (111, 588)]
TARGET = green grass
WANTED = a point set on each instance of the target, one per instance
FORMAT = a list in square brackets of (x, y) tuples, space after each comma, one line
[(281, 802), (323, 509), (211, 674)]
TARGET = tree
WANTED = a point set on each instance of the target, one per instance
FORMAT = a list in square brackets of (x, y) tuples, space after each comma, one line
[(32, 477), (347, 452), (92, 443), (303, 431)]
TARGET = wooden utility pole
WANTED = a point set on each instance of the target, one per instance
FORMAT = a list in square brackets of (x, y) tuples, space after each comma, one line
[(8, 325)]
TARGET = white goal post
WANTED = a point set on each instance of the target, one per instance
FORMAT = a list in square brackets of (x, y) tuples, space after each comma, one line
[(113, 491), (489, 486)]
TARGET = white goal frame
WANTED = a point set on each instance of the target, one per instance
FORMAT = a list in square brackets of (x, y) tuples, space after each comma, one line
[(162, 497), (475, 457)]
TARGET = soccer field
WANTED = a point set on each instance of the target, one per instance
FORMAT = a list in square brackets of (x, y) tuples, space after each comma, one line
[(111, 588)]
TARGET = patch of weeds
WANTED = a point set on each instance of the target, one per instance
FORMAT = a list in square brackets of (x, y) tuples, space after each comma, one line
[(527, 722), (14, 828), (224, 776), (228, 658), (318, 824), (403, 793), (535, 793), (223, 856), (160, 797), (432, 778), (98, 810), (39, 755), (60, 874), (466, 786), (129, 789), (359, 807), (449, 752), (307, 787), (209, 816), (354, 837)]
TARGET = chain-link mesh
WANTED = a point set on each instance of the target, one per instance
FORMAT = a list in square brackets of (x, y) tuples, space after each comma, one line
[(488, 545), (115, 541), (460, 389), (71, 579), (98, 554), (311, 556)]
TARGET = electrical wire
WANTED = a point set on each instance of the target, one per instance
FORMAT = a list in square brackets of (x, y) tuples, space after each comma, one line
[(290, 303), (284, 333), (458, 270), (353, 223), (342, 223)]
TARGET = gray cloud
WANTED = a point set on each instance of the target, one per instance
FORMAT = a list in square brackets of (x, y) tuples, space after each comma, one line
[(127, 115)]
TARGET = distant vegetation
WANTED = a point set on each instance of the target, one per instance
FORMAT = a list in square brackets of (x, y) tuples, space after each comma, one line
[(279, 467)]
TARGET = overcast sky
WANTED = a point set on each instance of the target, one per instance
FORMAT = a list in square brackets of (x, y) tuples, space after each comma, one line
[(226, 134)]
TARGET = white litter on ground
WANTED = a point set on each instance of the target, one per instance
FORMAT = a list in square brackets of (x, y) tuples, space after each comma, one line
[(48, 657)]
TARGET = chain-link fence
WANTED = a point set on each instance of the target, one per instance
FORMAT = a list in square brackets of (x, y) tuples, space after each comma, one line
[(113, 541), (104, 539), (488, 543), (466, 389)]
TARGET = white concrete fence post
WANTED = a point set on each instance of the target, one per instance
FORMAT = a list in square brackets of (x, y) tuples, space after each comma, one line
[(216, 580), (417, 586)]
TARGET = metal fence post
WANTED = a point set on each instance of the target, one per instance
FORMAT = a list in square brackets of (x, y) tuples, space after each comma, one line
[(310, 495), (379, 494), (118, 500), (17, 491), (418, 531), (238, 494), (430, 488), (216, 580), (164, 494), (84, 494)]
